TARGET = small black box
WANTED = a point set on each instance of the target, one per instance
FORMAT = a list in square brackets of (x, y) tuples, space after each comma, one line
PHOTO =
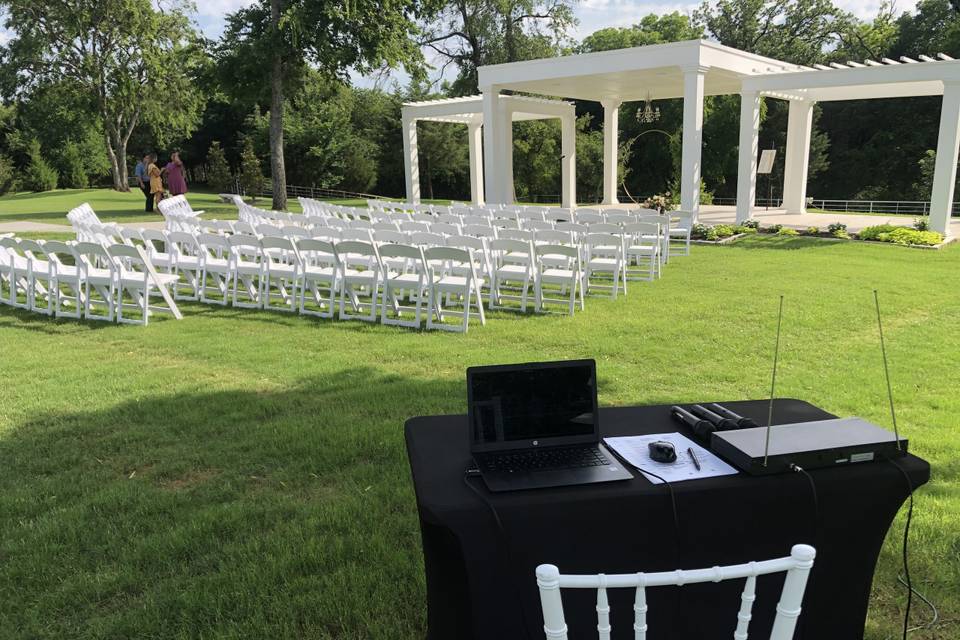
[(809, 445)]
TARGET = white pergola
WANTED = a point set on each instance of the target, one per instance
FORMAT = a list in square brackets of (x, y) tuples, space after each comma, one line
[(469, 110), (697, 68)]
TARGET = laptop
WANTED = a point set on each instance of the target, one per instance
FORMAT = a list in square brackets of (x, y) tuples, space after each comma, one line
[(536, 425)]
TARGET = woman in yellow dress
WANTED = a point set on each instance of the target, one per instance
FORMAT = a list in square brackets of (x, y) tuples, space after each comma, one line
[(156, 182)]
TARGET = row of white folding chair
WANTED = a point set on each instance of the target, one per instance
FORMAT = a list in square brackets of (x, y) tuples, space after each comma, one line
[(65, 280)]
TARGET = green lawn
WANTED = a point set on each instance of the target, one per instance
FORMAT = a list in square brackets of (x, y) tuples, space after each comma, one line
[(111, 206), (242, 474)]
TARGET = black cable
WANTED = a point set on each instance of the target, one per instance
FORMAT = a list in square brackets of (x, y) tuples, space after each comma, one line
[(814, 497), (905, 549), (506, 546)]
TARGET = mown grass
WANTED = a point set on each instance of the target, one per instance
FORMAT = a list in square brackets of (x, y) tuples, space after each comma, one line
[(242, 474)]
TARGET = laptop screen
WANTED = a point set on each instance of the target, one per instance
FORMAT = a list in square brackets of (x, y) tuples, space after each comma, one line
[(528, 405)]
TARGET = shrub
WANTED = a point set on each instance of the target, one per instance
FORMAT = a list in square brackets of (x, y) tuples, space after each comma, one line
[(8, 176), (922, 224), (742, 228), (841, 233), (905, 235), (251, 176), (874, 232), (813, 231), (751, 224), (218, 171), (834, 227), (720, 231), (699, 231), (39, 176), (773, 228), (74, 167), (787, 231)]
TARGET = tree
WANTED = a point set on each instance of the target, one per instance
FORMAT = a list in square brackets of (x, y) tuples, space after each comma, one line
[(131, 59), (251, 176), (39, 176), (218, 171), (331, 37), (472, 33), (652, 29)]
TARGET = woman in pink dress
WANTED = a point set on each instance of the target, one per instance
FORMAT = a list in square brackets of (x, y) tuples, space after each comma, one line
[(176, 181)]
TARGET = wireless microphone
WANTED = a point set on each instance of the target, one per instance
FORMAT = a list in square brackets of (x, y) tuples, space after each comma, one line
[(701, 428), (742, 423), (721, 423)]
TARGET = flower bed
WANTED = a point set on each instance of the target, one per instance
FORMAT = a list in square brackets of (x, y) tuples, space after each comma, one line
[(917, 236)]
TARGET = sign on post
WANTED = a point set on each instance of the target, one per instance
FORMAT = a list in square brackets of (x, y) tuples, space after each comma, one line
[(767, 157)]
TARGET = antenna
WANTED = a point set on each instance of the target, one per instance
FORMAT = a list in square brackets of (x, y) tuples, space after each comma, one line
[(886, 372), (773, 383)]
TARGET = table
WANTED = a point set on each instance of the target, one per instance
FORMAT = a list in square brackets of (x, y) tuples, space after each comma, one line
[(480, 579)]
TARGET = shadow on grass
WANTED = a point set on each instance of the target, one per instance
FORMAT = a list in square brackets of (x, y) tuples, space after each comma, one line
[(200, 513)]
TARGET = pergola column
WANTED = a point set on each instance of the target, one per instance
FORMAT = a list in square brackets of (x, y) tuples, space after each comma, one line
[(411, 159), (493, 160), (797, 156), (945, 169), (611, 114), (475, 139), (692, 139), (568, 160), (749, 145)]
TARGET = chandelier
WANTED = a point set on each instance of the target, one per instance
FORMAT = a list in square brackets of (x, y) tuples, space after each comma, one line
[(648, 113)]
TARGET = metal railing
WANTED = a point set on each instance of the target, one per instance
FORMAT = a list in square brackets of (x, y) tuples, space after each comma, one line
[(318, 193)]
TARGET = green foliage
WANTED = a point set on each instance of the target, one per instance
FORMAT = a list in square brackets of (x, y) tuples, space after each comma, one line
[(8, 179), (251, 175), (741, 228), (906, 235), (774, 228), (652, 29), (720, 231), (874, 232), (836, 227), (787, 231), (752, 223), (813, 231), (39, 175), (841, 233), (921, 224), (218, 171), (74, 167), (699, 231)]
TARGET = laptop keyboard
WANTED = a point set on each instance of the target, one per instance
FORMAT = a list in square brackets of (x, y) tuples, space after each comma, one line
[(543, 459)]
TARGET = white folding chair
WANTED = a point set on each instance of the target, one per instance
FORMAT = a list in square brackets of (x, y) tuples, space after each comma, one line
[(215, 264), (293, 231), (605, 256), (18, 274), (319, 269), (410, 226), (246, 267), (616, 216), (39, 278), (66, 291), (280, 271), (558, 214), (445, 229), (462, 288), (558, 265), (187, 264), (797, 567), (480, 253), (99, 276), (642, 250), (479, 231), (588, 216), (159, 249), (134, 278), (681, 226), (538, 225), (357, 282), (513, 272), (404, 271)]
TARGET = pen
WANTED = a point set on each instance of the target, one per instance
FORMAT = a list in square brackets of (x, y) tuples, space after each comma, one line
[(693, 456)]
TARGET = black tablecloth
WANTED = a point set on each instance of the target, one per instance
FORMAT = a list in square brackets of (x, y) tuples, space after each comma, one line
[(481, 584)]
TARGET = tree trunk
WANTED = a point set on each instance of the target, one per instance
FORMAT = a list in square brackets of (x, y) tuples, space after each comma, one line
[(278, 170), (117, 151)]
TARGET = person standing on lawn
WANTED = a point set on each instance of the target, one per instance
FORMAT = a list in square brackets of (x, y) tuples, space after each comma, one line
[(143, 181), (175, 175), (156, 181)]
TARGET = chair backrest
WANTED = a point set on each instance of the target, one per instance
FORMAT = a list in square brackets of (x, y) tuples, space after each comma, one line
[(578, 230), (604, 227), (33, 250), (427, 239), (130, 257), (316, 252), (449, 255), (358, 248), (131, 235), (504, 223), (558, 214), (619, 217), (270, 242), (293, 231), (211, 244), (411, 254), (466, 242), (797, 567), (360, 235), (92, 254), (269, 230), (565, 250), (410, 226), (538, 225), (478, 231), (643, 230), (503, 246), (515, 234), (386, 225), (554, 237), (390, 236), (482, 221), (445, 229), (588, 216), (607, 241)]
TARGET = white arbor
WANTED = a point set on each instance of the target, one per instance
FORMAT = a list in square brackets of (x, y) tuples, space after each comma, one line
[(694, 69), (472, 111)]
